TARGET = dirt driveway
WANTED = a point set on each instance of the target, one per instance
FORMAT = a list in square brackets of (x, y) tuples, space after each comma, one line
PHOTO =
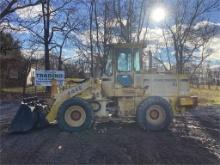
[(193, 139)]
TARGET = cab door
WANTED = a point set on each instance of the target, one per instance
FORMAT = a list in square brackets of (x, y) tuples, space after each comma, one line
[(124, 68)]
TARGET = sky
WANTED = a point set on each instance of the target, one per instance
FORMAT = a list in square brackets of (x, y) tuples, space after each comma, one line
[(154, 31)]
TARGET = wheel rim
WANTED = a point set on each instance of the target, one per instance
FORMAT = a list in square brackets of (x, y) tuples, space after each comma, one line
[(75, 116), (155, 115)]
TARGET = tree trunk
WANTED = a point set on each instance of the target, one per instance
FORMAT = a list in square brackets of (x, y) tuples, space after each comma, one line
[(60, 60), (24, 88), (46, 18), (47, 60), (47, 57), (90, 32)]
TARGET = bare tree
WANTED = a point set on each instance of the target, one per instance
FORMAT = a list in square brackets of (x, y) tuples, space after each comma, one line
[(131, 17), (66, 31), (113, 21), (10, 6), (90, 35), (189, 30)]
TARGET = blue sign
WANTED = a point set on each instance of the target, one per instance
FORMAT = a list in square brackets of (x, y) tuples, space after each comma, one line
[(45, 77)]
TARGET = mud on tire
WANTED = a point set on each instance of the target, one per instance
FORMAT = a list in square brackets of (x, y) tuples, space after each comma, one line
[(154, 113), (75, 115)]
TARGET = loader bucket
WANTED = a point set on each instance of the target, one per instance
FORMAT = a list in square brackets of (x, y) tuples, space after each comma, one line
[(27, 118)]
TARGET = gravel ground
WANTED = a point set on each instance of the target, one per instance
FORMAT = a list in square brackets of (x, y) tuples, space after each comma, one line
[(193, 138)]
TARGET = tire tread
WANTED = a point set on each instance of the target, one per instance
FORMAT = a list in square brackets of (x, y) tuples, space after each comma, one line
[(75, 101), (145, 104)]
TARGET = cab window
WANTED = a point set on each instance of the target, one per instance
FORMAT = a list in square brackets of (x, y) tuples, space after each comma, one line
[(124, 60), (137, 66)]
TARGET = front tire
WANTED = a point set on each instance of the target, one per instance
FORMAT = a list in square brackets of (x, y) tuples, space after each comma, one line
[(75, 115), (154, 114)]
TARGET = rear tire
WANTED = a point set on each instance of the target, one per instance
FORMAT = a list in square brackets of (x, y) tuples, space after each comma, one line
[(75, 115), (154, 114)]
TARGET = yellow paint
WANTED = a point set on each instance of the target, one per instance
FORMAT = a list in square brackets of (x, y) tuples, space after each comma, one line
[(54, 88), (129, 92), (185, 101)]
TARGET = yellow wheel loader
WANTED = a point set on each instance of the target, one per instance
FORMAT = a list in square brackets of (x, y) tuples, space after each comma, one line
[(125, 93)]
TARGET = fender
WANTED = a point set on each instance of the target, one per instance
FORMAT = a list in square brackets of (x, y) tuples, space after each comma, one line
[(66, 94)]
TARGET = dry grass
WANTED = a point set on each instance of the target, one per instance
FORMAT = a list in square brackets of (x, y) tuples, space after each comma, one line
[(207, 96), (29, 90)]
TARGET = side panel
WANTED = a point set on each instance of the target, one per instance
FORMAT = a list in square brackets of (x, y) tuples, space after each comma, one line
[(165, 85), (108, 86)]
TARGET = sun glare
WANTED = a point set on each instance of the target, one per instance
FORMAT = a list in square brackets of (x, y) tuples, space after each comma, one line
[(158, 14)]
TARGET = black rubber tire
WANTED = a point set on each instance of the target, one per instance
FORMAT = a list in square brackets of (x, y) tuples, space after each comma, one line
[(86, 107), (144, 107)]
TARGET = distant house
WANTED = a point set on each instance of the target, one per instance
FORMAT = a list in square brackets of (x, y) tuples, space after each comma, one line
[(31, 76)]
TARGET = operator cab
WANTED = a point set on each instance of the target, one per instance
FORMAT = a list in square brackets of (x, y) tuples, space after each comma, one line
[(123, 62)]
